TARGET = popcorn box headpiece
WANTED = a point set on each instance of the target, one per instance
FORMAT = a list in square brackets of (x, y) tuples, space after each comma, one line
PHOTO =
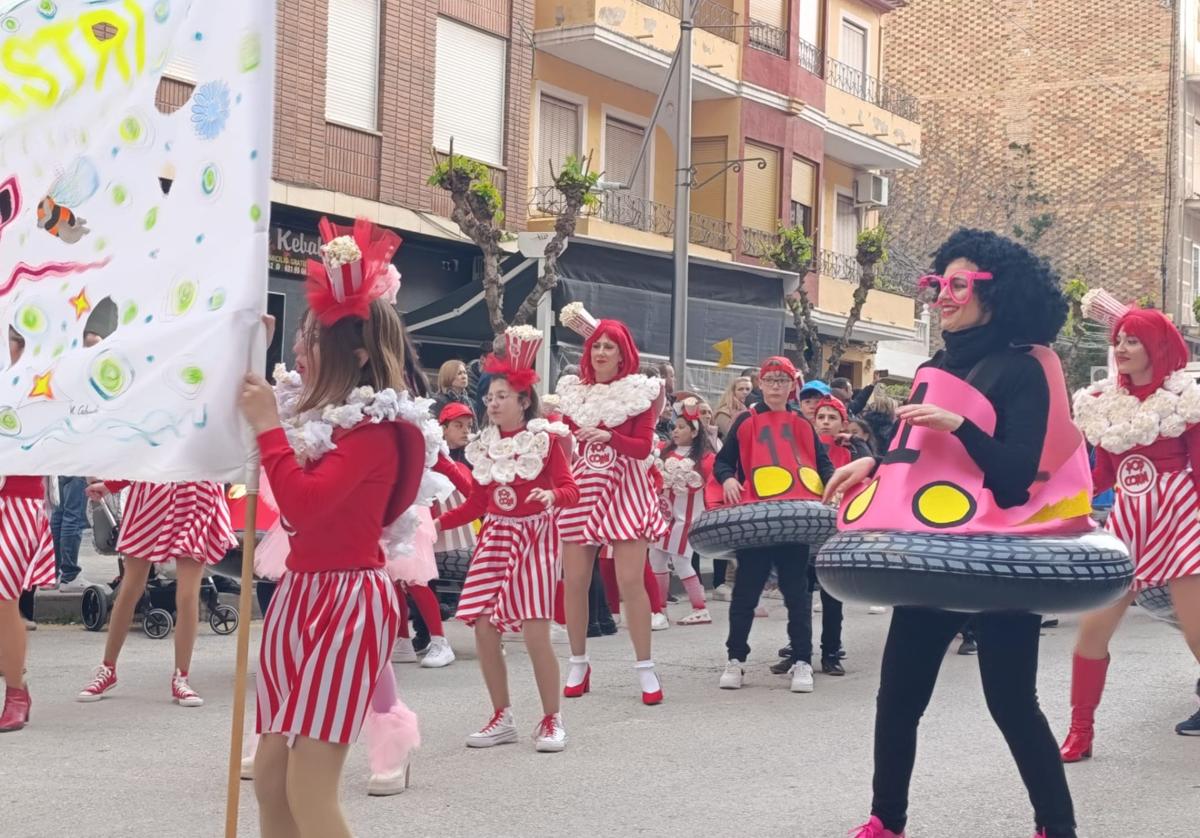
[(578, 319), (1103, 307)]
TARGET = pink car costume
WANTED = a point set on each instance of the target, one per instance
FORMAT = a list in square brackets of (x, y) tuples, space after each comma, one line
[(997, 475)]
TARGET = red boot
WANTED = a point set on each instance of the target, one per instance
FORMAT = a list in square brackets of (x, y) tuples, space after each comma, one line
[(1087, 685), (16, 710)]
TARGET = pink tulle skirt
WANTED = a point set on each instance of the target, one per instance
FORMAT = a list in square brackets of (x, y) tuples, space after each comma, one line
[(420, 565)]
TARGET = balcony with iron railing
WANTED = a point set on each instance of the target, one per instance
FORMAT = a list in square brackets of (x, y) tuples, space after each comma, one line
[(636, 213), (710, 16), (768, 37), (811, 57), (871, 90)]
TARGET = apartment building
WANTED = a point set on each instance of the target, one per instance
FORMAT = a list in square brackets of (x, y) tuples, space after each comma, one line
[(792, 124)]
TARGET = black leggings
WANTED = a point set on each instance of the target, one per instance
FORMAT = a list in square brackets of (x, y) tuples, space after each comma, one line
[(1008, 661)]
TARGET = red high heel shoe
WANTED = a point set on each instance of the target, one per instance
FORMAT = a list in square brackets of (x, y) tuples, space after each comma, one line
[(653, 698), (16, 710), (583, 686)]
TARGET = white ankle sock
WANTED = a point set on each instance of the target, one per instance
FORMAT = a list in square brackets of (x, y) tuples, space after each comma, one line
[(577, 670), (647, 676)]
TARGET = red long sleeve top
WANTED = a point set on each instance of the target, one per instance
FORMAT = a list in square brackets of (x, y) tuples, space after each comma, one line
[(555, 475), (22, 487), (334, 507), (1167, 454), (632, 438)]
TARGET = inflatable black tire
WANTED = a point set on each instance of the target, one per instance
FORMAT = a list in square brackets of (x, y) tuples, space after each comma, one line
[(1157, 603), (1051, 574), (453, 565), (770, 523)]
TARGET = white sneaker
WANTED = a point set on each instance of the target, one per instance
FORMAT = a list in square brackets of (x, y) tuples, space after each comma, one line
[(437, 654), (722, 593), (76, 586), (659, 621), (876, 609), (501, 730), (386, 785), (802, 677), (731, 678), (248, 767), (558, 634), (817, 605), (773, 593), (403, 651), (550, 737)]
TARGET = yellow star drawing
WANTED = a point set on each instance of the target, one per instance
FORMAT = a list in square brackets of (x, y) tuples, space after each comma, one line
[(80, 303), (41, 386)]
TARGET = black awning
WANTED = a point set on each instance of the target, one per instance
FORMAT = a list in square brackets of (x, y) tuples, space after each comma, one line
[(471, 324)]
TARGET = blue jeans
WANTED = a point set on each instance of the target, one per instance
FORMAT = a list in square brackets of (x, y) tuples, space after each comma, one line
[(67, 523)]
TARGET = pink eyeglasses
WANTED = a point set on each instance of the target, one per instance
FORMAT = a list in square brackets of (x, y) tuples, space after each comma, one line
[(959, 286)]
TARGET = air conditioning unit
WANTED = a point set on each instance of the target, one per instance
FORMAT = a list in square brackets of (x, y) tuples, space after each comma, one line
[(871, 190)]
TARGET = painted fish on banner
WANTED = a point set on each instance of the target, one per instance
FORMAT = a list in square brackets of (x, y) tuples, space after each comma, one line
[(133, 241)]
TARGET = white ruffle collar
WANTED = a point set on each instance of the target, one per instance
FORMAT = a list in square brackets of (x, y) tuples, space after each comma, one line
[(501, 459), (609, 405), (1116, 421), (679, 471)]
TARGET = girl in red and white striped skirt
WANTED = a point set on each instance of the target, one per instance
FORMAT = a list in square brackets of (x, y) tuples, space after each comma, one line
[(521, 477), (187, 523), (26, 563), (344, 469), (1145, 425), (613, 411), (685, 465)]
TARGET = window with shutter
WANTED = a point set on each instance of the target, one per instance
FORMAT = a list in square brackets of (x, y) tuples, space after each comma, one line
[(708, 156), (558, 136), (846, 226), (854, 46), (773, 12), (181, 68), (352, 64), (470, 70), (1195, 184), (1195, 271), (804, 193), (622, 142), (810, 15), (760, 189)]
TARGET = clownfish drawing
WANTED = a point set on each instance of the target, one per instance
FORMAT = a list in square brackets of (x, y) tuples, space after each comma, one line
[(70, 189)]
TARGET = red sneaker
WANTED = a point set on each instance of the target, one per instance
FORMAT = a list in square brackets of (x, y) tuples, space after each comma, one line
[(16, 710), (182, 693), (873, 828), (103, 682)]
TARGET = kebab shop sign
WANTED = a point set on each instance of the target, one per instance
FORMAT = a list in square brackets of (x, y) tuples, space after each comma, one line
[(291, 249)]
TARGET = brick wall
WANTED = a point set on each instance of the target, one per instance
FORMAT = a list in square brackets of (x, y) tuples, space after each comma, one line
[(1055, 107), (393, 164)]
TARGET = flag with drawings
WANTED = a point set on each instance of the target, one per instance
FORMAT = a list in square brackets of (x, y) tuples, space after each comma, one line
[(133, 232)]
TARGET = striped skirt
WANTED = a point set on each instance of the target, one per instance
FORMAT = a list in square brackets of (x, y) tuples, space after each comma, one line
[(679, 508), (1160, 529), (26, 551), (513, 572), (165, 521), (617, 503), (326, 638)]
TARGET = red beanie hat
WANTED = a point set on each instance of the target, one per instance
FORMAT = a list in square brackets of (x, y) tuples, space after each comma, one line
[(1162, 340), (618, 333), (836, 404), (777, 363)]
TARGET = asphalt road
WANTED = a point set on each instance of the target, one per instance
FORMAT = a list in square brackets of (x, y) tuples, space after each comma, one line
[(759, 762)]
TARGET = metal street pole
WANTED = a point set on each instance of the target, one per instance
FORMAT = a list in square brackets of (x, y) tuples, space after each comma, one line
[(683, 196)]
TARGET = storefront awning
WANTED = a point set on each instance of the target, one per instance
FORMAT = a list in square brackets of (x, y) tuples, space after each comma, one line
[(461, 316)]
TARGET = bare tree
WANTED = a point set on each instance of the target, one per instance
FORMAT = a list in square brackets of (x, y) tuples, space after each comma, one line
[(793, 252), (478, 213), (870, 251)]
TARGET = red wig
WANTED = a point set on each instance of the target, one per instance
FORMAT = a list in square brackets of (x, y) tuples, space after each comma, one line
[(1163, 343), (618, 333)]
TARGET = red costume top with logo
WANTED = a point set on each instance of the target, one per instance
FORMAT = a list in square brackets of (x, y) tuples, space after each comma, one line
[(774, 453), (1147, 441)]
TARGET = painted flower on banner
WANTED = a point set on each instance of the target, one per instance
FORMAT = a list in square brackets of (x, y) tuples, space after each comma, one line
[(210, 109)]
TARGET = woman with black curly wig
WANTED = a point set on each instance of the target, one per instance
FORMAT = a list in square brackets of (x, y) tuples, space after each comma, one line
[(995, 298)]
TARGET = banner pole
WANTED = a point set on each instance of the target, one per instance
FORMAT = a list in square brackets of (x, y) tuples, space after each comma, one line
[(236, 731)]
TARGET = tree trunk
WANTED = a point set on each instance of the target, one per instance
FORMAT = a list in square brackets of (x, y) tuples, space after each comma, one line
[(806, 330), (865, 283), (564, 228)]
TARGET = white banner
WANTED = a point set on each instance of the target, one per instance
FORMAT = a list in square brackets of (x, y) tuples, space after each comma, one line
[(133, 243)]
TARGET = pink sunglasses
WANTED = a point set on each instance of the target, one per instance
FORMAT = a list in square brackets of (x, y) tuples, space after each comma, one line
[(959, 286)]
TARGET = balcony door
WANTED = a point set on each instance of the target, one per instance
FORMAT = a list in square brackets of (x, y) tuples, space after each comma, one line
[(622, 142), (558, 138)]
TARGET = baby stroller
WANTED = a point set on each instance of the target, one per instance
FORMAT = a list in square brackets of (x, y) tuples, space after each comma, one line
[(156, 608)]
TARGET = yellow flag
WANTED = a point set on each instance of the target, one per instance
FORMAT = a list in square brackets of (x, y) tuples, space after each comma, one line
[(724, 352)]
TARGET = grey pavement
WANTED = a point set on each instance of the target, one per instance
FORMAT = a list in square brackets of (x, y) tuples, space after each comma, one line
[(758, 762)]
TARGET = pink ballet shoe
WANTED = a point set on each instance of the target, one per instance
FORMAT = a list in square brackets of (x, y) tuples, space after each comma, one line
[(873, 828)]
